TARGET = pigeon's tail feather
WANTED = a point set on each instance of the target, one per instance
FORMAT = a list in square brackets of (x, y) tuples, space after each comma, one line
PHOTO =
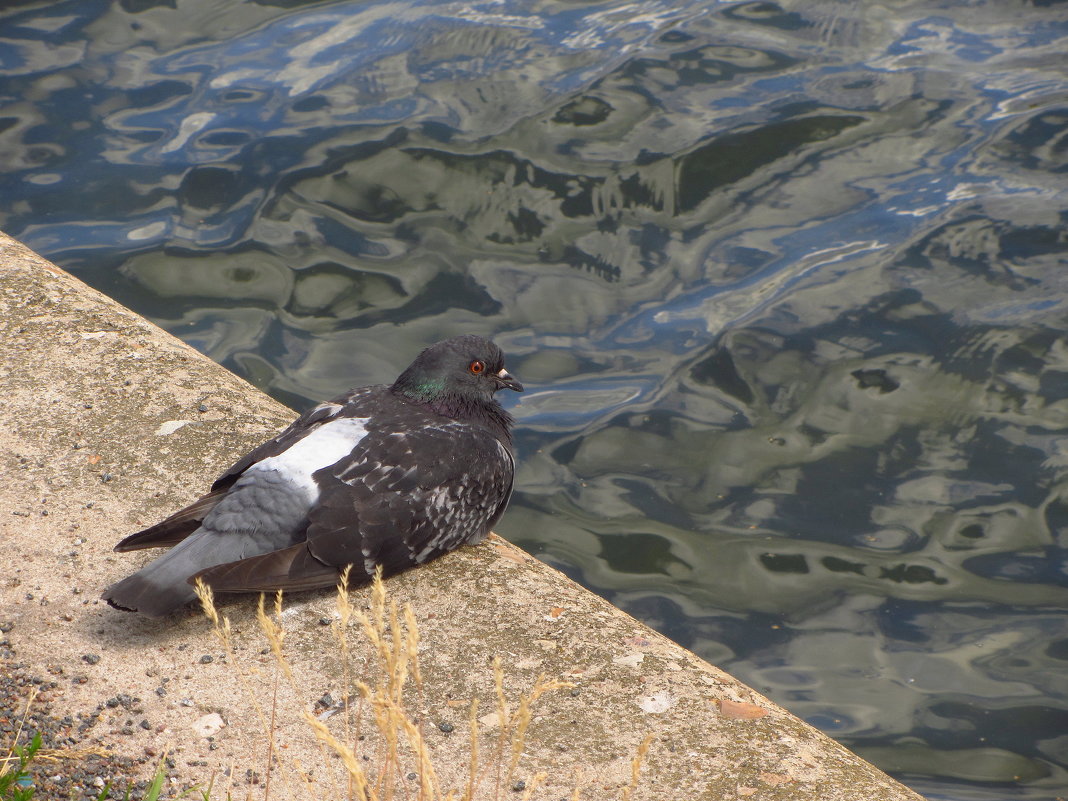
[(175, 528), (138, 593), (160, 587)]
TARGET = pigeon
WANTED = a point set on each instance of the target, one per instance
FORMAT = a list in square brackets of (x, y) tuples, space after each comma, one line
[(383, 477)]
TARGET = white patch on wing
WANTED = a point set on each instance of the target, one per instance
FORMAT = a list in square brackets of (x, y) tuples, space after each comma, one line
[(321, 448), (334, 409)]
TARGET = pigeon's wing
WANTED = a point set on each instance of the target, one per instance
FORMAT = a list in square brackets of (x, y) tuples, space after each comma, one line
[(292, 569), (312, 418), (183, 523), (175, 528), (398, 500)]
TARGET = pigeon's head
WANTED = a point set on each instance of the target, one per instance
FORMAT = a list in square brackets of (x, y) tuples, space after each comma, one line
[(467, 368)]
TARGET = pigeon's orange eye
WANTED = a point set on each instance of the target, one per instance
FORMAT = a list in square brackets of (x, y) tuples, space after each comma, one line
[(477, 367)]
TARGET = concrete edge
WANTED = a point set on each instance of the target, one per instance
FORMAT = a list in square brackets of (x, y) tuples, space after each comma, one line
[(110, 423)]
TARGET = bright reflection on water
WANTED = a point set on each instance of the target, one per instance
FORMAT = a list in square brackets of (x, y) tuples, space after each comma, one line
[(787, 286)]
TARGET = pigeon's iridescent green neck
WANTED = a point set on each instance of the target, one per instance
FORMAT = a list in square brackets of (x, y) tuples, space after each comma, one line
[(424, 389)]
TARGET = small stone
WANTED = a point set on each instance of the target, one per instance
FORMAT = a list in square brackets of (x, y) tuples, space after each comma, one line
[(445, 726), (656, 703), (6, 626), (324, 621), (519, 786), (209, 724), (186, 702), (207, 659), (161, 691), (144, 724), (576, 691), (202, 407), (413, 776), (106, 477), (91, 659)]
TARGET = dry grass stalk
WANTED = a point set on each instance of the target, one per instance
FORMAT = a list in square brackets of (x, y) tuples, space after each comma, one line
[(521, 720), (472, 767), (6, 762), (275, 632), (636, 766), (395, 646), (535, 783), (220, 626), (348, 757), (340, 628), (43, 754), (396, 649), (52, 755), (393, 636), (502, 717)]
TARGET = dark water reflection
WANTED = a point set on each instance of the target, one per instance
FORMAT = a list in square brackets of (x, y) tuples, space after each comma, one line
[(787, 285)]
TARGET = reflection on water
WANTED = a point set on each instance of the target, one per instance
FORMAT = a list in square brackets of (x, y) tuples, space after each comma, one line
[(786, 284)]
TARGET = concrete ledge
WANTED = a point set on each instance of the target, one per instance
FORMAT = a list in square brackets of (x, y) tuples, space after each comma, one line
[(108, 424)]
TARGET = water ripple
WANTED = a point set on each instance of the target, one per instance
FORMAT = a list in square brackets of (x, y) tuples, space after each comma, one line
[(786, 283)]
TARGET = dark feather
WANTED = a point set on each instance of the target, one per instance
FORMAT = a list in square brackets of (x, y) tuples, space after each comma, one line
[(288, 569), (175, 528)]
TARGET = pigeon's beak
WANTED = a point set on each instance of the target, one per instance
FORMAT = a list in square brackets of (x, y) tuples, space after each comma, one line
[(504, 379)]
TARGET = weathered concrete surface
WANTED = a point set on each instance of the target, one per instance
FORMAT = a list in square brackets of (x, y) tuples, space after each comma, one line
[(91, 449)]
